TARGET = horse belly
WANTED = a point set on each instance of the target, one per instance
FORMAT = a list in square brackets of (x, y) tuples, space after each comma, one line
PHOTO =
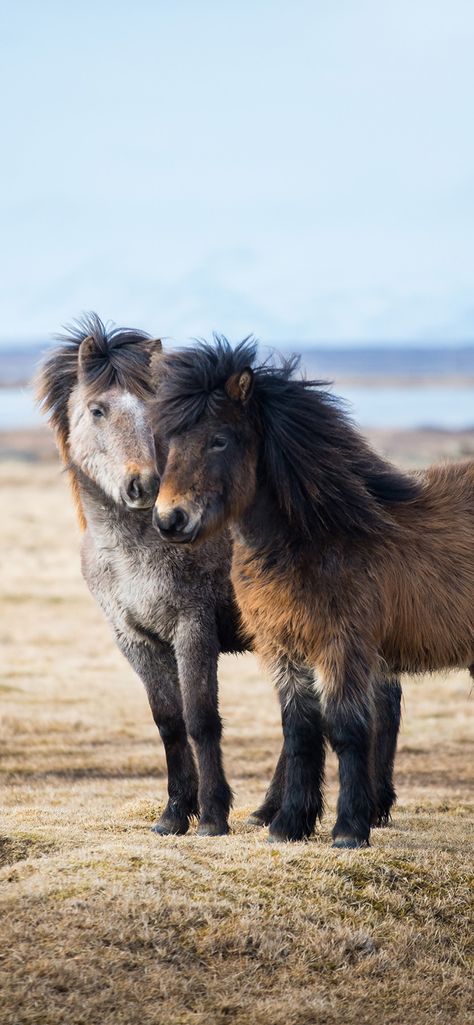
[(432, 621)]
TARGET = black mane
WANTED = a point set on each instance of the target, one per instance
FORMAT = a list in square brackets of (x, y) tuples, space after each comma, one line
[(192, 380), (318, 465), (120, 357)]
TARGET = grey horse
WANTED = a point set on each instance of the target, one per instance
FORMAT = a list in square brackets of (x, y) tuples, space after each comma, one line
[(172, 610)]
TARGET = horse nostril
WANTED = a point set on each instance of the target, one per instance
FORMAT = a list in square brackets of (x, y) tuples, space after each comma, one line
[(171, 523), (181, 519), (134, 489)]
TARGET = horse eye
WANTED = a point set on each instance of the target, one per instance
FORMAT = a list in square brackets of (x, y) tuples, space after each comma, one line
[(97, 412), (218, 443)]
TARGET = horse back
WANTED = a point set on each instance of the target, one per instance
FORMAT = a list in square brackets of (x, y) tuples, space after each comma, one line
[(428, 578)]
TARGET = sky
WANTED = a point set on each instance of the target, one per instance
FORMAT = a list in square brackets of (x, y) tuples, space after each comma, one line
[(300, 170)]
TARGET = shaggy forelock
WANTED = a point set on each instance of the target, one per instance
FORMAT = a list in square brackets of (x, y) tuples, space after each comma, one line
[(120, 357), (192, 380)]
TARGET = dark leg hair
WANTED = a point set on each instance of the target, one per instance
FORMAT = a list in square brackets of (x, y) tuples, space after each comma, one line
[(156, 665), (197, 652), (347, 716), (388, 693), (387, 701), (304, 754), (273, 797)]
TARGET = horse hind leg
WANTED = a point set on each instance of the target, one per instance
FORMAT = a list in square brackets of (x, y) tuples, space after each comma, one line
[(387, 714)]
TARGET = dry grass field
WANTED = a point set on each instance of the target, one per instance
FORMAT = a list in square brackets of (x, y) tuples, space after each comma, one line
[(104, 923)]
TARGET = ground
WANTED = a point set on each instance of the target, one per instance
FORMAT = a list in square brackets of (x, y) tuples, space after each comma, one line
[(101, 921)]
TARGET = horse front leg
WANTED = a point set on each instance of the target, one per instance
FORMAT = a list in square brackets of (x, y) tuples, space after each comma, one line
[(346, 699), (304, 754), (197, 653), (156, 666)]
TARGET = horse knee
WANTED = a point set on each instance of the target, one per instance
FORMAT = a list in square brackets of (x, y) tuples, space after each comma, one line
[(172, 731), (348, 729), (204, 726)]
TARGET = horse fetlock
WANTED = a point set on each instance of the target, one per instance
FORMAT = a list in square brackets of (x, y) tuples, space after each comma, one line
[(263, 815), (382, 807)]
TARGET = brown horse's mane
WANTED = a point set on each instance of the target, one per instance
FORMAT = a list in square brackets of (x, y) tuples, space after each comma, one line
[(319, 467), (119, 356)]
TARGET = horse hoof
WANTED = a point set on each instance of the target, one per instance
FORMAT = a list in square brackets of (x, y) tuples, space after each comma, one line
[(167, 827), (282, 836), (349, 843), (212, 829)]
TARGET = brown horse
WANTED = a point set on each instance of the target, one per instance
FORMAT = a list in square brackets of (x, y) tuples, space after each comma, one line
[(346, 571)]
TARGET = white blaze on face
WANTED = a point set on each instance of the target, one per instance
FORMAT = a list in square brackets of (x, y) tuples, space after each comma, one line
[(133, 405)]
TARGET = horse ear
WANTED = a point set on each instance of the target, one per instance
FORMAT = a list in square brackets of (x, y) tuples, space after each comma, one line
[(87, 349), (239, 386)]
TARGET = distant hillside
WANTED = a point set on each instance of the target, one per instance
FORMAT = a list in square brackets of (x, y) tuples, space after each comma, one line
[(17, 366), (390, 361)]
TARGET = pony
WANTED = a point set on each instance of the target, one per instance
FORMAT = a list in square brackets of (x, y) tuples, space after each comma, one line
[(172, 610), (347, 571)]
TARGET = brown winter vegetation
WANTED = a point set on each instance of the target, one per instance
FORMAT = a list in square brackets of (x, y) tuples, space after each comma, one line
[(102, 921)]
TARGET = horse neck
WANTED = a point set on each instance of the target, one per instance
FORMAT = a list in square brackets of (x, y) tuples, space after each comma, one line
[(264, 526), (267, 527)]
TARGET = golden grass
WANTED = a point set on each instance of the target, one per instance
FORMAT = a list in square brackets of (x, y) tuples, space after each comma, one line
[(103, 922)]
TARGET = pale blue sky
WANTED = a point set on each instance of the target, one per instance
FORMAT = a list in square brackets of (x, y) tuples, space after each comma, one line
[(302, 170)]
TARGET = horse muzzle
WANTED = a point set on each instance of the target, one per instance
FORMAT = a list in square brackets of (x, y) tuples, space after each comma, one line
[(174, 524), (140, 490)]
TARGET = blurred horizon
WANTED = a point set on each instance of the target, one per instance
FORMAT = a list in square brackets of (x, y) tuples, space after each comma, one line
[(298, 171), (349, 346), (398, 386)]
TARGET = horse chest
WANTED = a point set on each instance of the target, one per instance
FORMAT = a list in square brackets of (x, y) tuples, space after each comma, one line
[(296, 611), (273, 610), (134, 588)]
